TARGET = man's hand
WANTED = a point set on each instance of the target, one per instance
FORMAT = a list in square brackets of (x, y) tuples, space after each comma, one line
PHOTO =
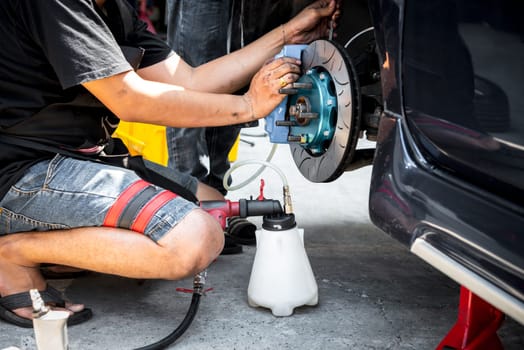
[(263, 92), (312, 23)]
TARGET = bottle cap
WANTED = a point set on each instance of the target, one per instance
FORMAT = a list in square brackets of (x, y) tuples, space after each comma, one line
[(279, 222)]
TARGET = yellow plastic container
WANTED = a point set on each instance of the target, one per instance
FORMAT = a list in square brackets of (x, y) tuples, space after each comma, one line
[(150, 142), (147, 140), (233, 153)]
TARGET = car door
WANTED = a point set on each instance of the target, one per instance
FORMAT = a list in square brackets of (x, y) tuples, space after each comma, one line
[(448, 172)]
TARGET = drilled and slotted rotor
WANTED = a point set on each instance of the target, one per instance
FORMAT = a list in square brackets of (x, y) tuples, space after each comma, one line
[(324, 112)]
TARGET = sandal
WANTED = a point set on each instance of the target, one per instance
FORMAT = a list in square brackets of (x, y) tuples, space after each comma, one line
[(242, 231), (49, 295)]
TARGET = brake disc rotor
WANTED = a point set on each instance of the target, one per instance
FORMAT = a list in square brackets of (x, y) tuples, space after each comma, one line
[(329, 98)]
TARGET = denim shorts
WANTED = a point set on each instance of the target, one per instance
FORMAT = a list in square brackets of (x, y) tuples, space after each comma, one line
[(64, 193)]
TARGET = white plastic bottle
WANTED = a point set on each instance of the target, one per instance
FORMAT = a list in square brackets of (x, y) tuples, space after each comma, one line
[(281, 277)]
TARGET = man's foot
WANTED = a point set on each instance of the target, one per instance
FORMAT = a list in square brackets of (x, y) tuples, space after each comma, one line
[(15, 305), (22, 301)]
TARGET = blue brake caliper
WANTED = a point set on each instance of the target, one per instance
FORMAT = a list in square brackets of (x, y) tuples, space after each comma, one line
[(308, 115)]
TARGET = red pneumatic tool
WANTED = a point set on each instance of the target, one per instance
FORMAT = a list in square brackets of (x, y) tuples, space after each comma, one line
[(223, 209)]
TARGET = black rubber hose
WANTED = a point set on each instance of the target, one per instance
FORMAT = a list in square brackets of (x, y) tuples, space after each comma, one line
[(184, 325)]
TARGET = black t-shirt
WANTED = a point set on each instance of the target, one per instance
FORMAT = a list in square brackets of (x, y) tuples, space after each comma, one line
[(49, 48)]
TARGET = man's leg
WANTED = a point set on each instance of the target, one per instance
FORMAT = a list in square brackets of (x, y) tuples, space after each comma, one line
[(173, 241), (186, 148), (197, 31), (185, 250), (220, 140)]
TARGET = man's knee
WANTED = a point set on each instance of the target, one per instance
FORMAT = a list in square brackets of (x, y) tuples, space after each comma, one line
[(193, 244)]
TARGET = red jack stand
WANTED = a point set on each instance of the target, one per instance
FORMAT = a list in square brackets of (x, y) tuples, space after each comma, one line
[(476, 326)]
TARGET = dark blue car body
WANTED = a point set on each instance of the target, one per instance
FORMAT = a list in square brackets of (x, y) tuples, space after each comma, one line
[(448, 172)]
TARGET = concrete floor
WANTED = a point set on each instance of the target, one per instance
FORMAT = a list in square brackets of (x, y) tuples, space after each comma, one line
[(373, 293)]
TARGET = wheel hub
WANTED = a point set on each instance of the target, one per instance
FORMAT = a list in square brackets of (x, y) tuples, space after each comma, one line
[(313, 111)]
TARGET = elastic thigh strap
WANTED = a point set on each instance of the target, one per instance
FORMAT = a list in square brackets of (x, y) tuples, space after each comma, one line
[(136, 205)]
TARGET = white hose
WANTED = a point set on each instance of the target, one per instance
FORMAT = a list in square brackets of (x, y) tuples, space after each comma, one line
[(357, 35), (265, 163)]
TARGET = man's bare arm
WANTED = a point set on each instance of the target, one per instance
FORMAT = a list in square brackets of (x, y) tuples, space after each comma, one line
[(135, 99)]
